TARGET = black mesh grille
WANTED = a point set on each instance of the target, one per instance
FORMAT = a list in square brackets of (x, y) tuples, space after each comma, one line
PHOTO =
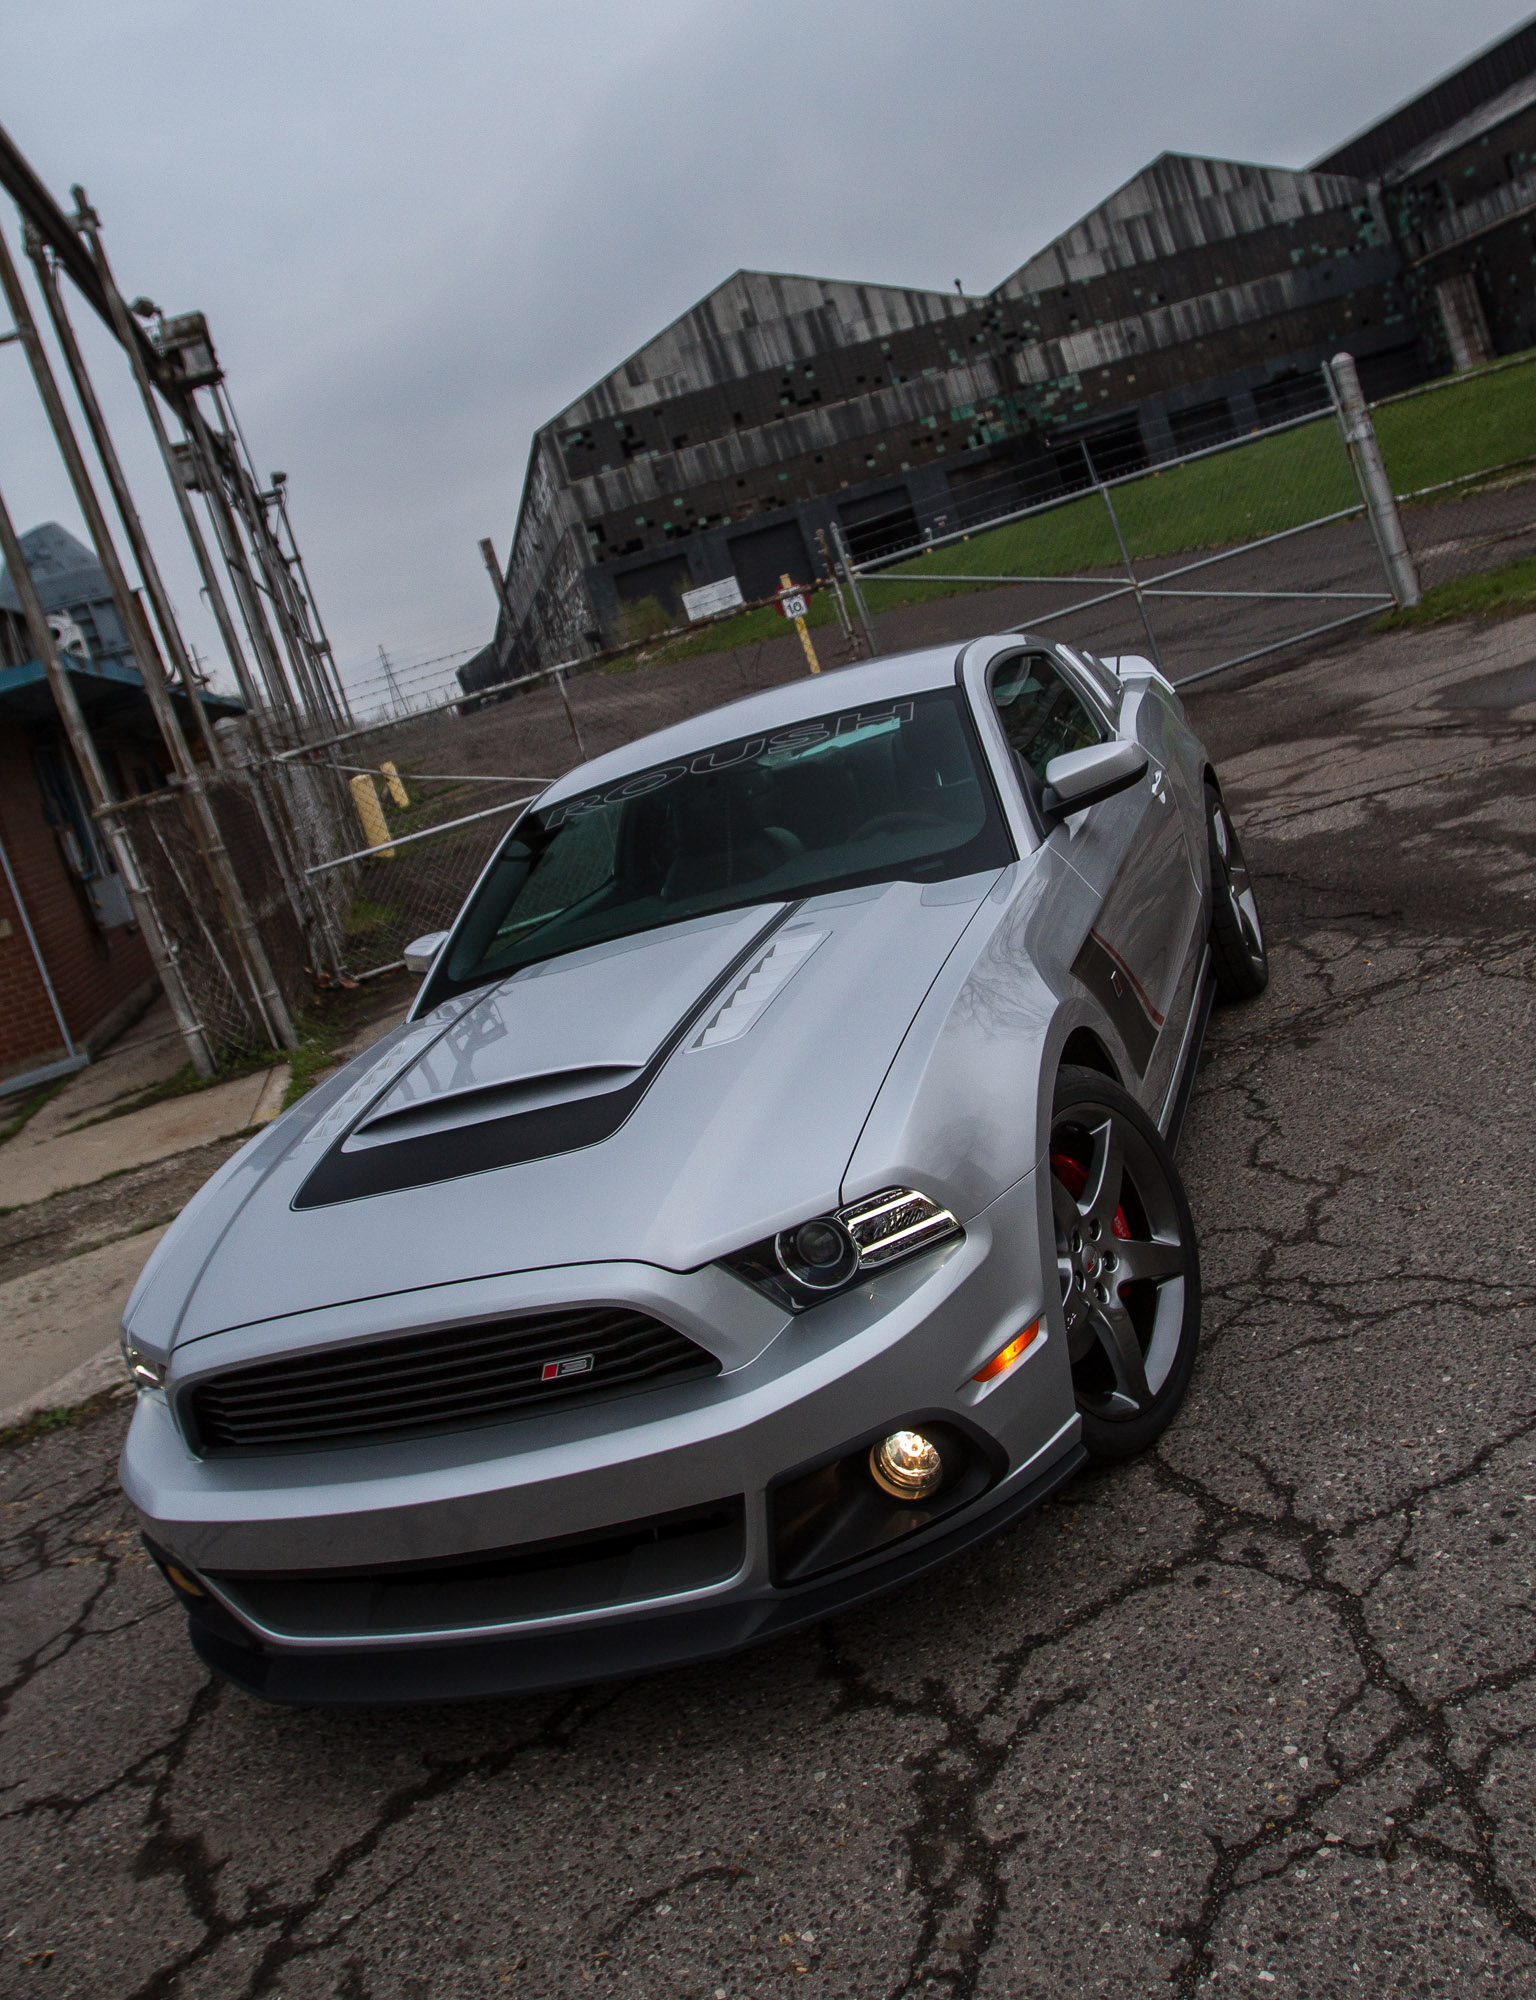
[(446, 1380)]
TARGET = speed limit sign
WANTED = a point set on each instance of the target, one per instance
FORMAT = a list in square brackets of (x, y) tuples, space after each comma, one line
[(792, 603)]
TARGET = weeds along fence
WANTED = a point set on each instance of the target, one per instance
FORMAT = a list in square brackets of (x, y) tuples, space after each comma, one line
[(1239, 547)]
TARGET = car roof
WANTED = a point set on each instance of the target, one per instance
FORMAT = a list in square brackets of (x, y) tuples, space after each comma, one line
[(841, 687)]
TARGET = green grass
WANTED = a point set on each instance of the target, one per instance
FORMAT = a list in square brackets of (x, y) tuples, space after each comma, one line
[(187, 1083), (1497, 593), (29, 1108), (1468, 425), (60, 1420), (364, 917), (314, 1055), (747, 628)]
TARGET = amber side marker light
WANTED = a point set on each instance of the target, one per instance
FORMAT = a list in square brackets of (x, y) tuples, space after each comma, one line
[(1005, 1357)]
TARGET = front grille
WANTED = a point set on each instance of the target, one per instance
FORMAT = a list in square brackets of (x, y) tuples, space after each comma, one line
[(446, 1380)]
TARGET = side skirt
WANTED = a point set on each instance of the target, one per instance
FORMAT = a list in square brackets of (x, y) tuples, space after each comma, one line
[(1176, 1105)]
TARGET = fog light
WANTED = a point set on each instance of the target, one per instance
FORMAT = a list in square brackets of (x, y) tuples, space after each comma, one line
[(906, 1465)]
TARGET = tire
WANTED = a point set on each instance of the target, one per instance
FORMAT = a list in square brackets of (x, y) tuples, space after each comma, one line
[(1239, 958), (1128, 1264)]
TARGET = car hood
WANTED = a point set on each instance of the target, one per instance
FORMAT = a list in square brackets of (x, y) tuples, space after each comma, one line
[(664, 1099)]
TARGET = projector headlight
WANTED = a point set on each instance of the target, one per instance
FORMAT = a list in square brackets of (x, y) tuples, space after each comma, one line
[(145, 1370), (801, 1266)]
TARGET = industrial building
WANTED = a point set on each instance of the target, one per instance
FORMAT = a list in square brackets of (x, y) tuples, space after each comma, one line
[(1195, 304)]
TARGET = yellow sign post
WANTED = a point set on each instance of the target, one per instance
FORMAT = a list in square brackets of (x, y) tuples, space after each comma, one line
[(795, 603)]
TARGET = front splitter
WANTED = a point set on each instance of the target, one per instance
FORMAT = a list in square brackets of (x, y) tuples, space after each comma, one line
[(614, 1649)]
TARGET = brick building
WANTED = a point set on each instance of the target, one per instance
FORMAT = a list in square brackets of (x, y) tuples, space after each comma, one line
[(68, 944), (1194, 304)]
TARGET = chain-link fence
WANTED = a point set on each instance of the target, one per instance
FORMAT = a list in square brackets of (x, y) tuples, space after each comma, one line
[(198, 931), (1229, 548), (1223, 550), (1218, 555), (1461, 455)]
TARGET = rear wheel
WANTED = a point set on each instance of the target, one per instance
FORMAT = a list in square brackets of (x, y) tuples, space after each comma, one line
[(1238, 955), (1127, 1263)]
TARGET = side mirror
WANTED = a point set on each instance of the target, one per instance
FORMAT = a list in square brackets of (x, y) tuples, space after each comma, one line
[(1084, 777), (420, 952)]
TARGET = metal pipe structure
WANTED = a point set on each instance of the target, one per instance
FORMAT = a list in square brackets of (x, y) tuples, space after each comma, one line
[(280, 702), (288, 608), (220, 479), (271, 1007), (1375, 487), (88, 759), (106, 451)]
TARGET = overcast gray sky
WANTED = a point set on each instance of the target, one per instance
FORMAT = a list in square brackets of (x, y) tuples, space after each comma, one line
[(419, 227)]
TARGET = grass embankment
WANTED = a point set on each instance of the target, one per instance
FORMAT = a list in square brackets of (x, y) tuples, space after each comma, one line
[(1464, 426), (1496, 593)]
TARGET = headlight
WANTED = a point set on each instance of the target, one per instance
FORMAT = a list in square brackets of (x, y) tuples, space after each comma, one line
[(145, 1370), (801, 1266)]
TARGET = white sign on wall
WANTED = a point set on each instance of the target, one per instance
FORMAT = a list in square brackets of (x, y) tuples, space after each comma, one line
[(710, 599)]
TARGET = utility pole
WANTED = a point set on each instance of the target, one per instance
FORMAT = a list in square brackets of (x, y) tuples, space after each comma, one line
[(499, 583), (394, 690)]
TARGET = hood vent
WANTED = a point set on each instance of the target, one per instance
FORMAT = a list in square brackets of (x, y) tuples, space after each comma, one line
[(772, 972)]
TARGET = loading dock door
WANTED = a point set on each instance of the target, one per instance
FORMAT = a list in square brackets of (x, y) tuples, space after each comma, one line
[(665, 581), (761, 557), (879, 524)]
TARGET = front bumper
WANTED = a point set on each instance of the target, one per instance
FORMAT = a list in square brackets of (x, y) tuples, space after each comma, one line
[(791, 1394)]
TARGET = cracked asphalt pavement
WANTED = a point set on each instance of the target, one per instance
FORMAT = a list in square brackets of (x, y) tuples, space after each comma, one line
[(1253, 1714)]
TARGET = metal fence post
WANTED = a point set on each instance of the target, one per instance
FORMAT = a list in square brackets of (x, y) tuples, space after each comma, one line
[(1375, 487), (845, 623), (840, 548), (1130, 571)]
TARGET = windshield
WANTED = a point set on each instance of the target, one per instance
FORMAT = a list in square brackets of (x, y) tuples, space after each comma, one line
[(895, 792)]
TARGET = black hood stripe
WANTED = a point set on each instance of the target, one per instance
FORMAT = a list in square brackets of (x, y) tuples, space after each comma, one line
[(521, 1136)]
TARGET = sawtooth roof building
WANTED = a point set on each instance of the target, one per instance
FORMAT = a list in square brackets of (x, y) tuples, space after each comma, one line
[(1194, 304)]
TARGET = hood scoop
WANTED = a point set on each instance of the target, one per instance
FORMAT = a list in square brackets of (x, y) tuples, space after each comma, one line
[(454, 1110), (442, 1120)]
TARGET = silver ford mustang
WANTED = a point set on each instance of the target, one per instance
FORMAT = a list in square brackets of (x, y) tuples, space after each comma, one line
[(770, 1194)]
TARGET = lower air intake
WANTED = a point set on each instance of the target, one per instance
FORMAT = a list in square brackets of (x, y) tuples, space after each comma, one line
[(450, 1379)]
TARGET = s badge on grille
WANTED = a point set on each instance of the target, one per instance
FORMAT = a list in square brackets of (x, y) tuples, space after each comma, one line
[(570, 1364)]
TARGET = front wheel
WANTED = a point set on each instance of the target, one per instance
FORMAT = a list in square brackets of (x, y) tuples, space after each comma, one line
[(1238, 955), (1127, 1262)]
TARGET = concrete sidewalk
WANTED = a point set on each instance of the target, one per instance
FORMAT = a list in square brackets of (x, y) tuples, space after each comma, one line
[(86, 1192), (59, 1328)]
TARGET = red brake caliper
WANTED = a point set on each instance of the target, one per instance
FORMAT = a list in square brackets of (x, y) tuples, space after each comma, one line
[(1074, 1179)]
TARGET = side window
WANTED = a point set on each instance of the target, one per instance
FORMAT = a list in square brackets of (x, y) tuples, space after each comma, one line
[(1041, 716)]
